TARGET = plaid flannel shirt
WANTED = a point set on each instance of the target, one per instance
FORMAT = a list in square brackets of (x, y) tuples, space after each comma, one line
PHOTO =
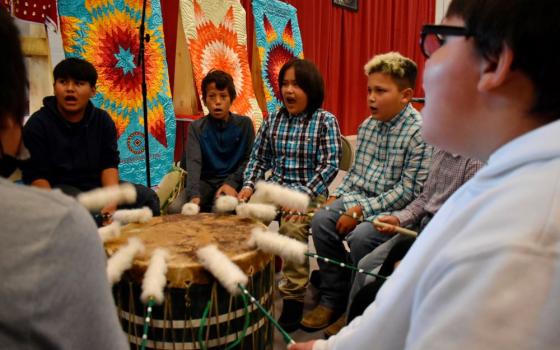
[(302, 151), (390, 167), (448, 172)]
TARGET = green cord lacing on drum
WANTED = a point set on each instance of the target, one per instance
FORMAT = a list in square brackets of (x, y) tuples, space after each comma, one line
[(203, 324), (341, 264), (149, 307), (243, 332), (245, 326), (286, 336)]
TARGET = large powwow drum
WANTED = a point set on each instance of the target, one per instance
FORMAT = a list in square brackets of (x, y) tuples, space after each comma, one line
[(175, 324)]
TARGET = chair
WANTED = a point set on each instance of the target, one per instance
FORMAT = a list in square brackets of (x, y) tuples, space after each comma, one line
[(347, 154)]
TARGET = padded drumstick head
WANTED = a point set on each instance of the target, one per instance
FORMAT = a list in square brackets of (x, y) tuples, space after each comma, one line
[(154, 279), (225, 204), (122, 259), (126, 216), (190, 209), (98, 198), (261, 212), (277, 244), (226, 272), (283, 196), (110, 231)]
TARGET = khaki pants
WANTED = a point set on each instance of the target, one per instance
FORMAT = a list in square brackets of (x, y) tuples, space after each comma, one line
[(295, 277)]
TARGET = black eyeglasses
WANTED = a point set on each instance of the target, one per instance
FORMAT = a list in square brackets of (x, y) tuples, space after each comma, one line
[(434, 36)]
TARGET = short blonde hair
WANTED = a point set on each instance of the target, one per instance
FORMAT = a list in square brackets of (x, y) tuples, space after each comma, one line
[(402, 69)]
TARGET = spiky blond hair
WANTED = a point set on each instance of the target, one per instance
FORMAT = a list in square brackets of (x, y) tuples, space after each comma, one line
[(402, 69)]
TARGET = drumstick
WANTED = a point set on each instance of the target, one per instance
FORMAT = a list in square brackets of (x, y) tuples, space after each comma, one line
[(229, 274), (190, 209), (293, 250), (232, 278), (110, 231), (311, 214), (261, 212), (152, 287), (126, 216), (283, 196), (225, 204), (274, 243), (399, 229), (154, 279), (122, 259), (98, 198)]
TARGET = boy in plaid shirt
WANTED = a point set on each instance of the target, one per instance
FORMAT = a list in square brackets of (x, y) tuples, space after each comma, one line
[(391, 165), (300, 144)]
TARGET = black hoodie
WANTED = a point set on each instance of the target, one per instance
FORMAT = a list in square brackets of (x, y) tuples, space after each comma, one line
[(67, 153)]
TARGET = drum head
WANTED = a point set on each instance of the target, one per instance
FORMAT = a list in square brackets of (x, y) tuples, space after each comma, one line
[(183, 235)]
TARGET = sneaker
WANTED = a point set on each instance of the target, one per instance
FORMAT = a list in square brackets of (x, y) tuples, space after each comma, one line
[(292, 310), (336, 327), (318, 318)]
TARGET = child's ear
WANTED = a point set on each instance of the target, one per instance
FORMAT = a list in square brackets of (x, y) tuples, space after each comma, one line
[(93, 91), (495, 71), (406, 95)]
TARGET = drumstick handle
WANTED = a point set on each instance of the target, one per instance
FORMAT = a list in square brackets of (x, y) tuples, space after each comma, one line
[(149, 307), (399, 229), (341, 264), (287, 337)]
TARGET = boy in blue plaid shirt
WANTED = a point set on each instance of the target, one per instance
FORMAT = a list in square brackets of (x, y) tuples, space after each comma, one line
[(391, 165), (300, 144)]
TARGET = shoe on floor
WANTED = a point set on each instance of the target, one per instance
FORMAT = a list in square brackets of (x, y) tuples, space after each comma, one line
[(336, 327), (292, 310), (318, 318)]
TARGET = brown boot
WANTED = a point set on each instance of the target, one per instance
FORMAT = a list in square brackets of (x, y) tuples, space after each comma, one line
[(336, 327), (318, 318)]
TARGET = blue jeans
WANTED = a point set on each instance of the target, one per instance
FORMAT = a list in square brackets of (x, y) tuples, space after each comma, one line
[(335, 280)]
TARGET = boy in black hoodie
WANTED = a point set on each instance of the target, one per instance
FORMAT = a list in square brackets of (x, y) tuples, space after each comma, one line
[(73, 144)]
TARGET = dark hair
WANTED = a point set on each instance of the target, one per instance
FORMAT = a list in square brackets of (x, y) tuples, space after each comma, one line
[(530, 29), (13, 76), (309, 79), (77, 69), (222, 80)]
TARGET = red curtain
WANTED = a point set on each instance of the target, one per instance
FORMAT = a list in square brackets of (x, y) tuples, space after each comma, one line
[(341, 41)]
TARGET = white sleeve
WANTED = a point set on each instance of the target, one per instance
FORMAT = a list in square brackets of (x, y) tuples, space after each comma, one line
[(505, 299)]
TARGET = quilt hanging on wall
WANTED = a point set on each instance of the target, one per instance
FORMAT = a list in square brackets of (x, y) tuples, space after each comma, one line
[(278, 41), (217, 39), (106, 34)]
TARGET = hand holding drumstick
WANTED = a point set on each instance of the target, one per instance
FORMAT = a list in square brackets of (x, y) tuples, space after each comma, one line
[(390, 224)]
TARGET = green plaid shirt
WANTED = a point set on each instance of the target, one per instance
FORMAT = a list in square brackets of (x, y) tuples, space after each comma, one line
[(391, 165)]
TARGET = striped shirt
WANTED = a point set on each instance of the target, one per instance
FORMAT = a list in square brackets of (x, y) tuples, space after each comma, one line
[(302, 151), (448, 172), (390, 167)]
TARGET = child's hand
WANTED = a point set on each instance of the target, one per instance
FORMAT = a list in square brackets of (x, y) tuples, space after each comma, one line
[(345, 224), (389, 219), (330, 200), (226, 190), (245, 194), (107, 212)]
